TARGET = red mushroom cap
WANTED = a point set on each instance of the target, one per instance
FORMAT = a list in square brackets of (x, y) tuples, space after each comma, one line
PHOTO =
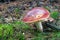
[(36, 14)]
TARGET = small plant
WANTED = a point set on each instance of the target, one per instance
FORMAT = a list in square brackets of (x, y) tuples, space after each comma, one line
[(16, 10), (55, 14)]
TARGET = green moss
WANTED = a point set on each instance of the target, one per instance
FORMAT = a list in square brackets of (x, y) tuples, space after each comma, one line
[(55, 14), (21, 25), (10, 31), (16, 10)]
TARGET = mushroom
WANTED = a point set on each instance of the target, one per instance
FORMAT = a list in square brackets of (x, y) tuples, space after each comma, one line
[(37, 15)]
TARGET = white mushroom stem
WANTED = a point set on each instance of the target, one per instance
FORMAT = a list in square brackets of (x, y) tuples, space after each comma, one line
[(39, 26)]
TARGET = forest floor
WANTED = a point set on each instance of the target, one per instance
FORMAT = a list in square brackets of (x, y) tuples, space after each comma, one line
[(11, 27)]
